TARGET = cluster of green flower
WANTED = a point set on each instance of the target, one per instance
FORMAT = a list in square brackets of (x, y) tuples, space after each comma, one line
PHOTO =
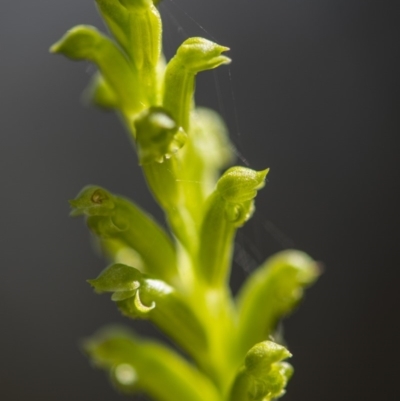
[(180, 280)]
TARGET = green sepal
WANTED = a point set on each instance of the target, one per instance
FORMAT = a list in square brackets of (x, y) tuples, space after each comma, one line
[(145, 33), (263, 376), (193, 56), (199, 54), (145, 44), (136, 365), (136, 24), (87, 43), (271, 293), (240, 184), (117, 278), (116, 17), (100, 93), (112, 217), (228, 208), (158, 137)]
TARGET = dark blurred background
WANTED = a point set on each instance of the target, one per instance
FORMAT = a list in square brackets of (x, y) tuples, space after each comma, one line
[(313, 93)]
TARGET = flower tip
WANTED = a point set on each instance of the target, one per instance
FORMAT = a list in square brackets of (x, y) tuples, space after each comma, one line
[(92, 283), (265, 172), (76, 210), (199, 54), (225, 60), (261, 176), (54, 48), (264, 354), (240, 184)]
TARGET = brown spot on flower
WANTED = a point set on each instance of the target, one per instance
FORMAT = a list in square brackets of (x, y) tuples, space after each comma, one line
[(98, 196)]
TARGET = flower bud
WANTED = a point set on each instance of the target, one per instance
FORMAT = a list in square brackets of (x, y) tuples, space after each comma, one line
[(199, 54), (87, 43), (193, 56), (276, 287), (229, 207), (261, 357), (263, 376), (93, 201), (240, 184)]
